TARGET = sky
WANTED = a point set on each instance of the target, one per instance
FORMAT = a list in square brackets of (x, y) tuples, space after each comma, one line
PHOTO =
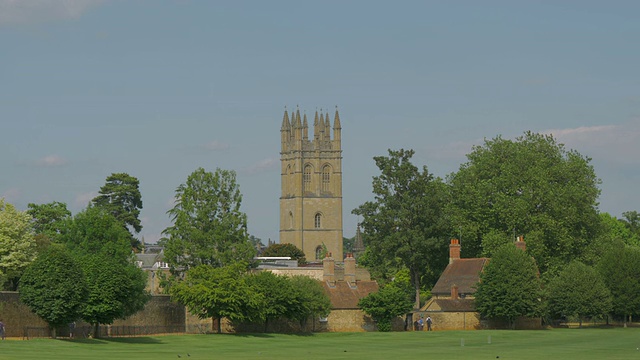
[(159, 88)]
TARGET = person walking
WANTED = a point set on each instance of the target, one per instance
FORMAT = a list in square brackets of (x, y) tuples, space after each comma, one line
[(429, 322), (2, 329)]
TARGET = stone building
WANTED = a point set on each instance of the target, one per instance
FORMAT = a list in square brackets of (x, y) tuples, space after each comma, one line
[(311, 185)]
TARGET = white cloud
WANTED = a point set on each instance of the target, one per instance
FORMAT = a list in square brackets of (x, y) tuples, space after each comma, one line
[(82, 200), (51, 160), (36, 11), (216, 145), (262, 166)]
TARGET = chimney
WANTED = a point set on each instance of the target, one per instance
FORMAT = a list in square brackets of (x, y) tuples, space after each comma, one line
[(328, 270), (350, 269), (520, 244), (454, 292), (454, 250)]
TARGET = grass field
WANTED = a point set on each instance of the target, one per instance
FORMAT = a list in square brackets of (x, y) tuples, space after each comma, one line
[(565, 344)]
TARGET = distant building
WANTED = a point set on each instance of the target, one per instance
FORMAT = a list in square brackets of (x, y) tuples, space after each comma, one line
[(311, 185)]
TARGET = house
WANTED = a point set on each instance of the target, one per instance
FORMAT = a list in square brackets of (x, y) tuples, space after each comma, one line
[(452, 304)]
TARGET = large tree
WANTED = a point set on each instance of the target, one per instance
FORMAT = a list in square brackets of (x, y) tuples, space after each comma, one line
[(578, 291), (116, 284), (509, 286), (405, 224), (54, 287), (17, 244), (532, 186), (208, 226), (120, 196), (392, 300), (310, 298), (620, 269), (279, 300), (219, 292)]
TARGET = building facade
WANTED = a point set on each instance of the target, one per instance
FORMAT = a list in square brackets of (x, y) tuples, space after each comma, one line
[(311, 185)]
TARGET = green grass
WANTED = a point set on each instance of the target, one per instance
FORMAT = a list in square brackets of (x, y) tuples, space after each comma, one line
[(565, 344)]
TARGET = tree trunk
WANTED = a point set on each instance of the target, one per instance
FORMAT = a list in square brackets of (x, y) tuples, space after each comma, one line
[(415, 279), (219, 325), (96, 330), (53, 332)]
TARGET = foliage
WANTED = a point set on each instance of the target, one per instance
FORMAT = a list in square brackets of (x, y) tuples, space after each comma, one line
[(405, 225), (116, 289), (120, 197), (285, 250), (278, 295), (17, 244), (620, 269), (509, 287), (532, 184), (311, 299), (388, 303), (219, 292), (54, 287), (208, 226), (48, 219), (631, 219), (96, 231), (578, 291)]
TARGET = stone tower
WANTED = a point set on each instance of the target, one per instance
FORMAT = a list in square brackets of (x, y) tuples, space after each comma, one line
[(311, 195)]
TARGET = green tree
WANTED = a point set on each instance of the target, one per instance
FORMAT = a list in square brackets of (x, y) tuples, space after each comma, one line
[(532, 184), (48, 219), (120, 197), (116, 284), (17, 244), (620, 269), (54, 287), (389, 302), (406, 225), (278, 294), (632, 220), (208, 226), (509, 287), (116, 289), (311, 299), (578, 291), (218, 292), (285, 250)]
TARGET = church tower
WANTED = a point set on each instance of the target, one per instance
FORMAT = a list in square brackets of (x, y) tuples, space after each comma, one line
[(311, 195)]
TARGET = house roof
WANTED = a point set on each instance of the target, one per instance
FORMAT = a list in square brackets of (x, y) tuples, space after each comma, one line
[(465, 273), (343, 296), (450, 305)]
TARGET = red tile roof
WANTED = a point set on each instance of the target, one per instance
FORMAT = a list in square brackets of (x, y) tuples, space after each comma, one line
[(345, 297), (465, 273)]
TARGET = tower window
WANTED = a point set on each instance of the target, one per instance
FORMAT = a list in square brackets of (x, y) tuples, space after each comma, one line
[(319, 253), (306, 178), (326, 178), (290, 220), (318, 221)]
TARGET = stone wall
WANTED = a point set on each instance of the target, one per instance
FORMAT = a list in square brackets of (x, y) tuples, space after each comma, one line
[(451, 320), (16, 315)]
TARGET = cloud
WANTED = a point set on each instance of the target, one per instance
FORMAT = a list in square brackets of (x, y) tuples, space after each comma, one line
[(14, 12), (82, 200), (261, 166), (216, 145), (51, 161), (11, 195), (615, 143)]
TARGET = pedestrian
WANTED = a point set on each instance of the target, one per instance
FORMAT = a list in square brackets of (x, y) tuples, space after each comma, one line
[(72, 328), (420, 324), (2, 329), (429, 322)]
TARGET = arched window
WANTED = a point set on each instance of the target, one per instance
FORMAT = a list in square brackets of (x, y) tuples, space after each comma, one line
[(319, 253), (326, 178), (306, 178), (317, 221)]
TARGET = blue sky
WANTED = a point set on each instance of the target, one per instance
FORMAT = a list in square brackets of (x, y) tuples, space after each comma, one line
[(157, 89)]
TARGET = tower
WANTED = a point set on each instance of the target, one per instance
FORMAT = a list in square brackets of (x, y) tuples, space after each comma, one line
[(311, 184)]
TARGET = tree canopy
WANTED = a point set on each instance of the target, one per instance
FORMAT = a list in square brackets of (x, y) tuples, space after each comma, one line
[(509, 286), (285, 250), (405, 224), (208, 226), (578, 291), (120, 197), (48, 219), (620, 270), (532, 186), (389, 302), (54, 287), (17, 244)]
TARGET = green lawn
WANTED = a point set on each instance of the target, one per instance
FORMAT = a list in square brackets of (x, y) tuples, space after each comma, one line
[(565, 344)]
